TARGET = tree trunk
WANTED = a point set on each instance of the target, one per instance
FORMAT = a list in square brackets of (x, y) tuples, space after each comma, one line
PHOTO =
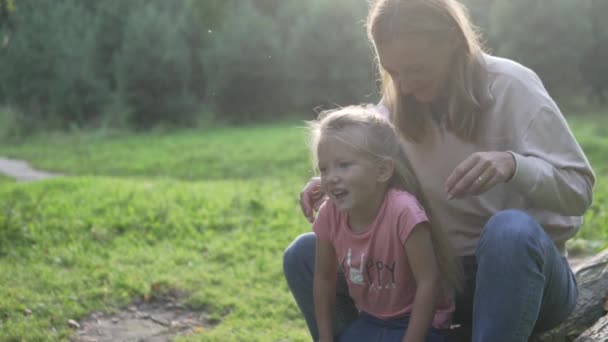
[(592, 279)]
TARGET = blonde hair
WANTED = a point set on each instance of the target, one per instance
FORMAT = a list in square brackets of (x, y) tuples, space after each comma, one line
[(369, 132), (388, 20)]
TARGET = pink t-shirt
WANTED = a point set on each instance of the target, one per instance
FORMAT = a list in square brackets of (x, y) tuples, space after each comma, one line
[(375, 264)]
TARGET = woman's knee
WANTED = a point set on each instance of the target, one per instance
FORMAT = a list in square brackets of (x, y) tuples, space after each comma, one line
[(512, 230), (300, 252)]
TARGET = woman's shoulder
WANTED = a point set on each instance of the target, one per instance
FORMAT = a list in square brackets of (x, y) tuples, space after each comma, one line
[(509, 72), (515, 87)]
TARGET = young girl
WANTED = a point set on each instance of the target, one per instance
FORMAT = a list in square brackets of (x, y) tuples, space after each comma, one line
[(397, 264)]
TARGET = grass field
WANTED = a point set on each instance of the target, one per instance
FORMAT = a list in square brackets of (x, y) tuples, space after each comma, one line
[(4, 179), (227, 153), (203, 213)]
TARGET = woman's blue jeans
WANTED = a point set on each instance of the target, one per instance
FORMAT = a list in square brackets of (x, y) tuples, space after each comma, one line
[(517, 283)]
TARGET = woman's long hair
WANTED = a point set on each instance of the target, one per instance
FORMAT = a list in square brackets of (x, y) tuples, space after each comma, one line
[(370, 133), (388, 20)]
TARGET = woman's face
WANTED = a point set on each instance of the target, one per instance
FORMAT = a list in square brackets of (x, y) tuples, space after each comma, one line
[(417, 65)]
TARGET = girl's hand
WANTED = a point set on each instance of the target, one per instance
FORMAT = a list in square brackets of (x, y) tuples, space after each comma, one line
[(480, 172), (311, 198)]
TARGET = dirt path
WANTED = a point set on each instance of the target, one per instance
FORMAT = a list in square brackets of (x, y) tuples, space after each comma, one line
[(157, 321), (22, 171)]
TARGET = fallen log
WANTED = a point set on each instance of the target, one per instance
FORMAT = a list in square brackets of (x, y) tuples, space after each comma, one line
[(592, 280), (598, 332)]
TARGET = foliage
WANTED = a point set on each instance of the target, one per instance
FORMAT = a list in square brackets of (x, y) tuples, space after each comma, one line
[(42, 73), (148, 63), (7, 7), (155, 64), (243, 65), (11, 124), (540, 25), (342, 71), (594, 69)]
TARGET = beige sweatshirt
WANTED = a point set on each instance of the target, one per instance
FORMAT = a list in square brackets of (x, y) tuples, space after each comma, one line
[(553, 180)]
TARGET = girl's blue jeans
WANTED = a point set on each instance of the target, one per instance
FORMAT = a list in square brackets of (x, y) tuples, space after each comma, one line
[(517, 283), (367, 328)]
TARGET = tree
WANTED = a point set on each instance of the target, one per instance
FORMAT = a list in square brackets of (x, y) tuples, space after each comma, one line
[(244, 65), (47, 69), (328, 58), (594, 68), (155, 65), (545, 35)]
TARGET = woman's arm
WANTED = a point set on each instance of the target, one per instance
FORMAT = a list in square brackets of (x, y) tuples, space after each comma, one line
[(311, 198), (421, 256), (324, 288), (551, 168), (546, 165)]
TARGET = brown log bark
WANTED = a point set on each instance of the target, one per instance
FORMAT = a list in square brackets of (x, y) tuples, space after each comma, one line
[(592, 279), (598, 332)]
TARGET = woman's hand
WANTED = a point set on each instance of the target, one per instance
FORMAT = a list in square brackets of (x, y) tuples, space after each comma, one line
[(480, 172), (311, 198)]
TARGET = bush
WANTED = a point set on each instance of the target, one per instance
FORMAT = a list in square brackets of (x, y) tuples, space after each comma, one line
[(328, 59), (47, 68), (11, 124), (155, 65), (549, 37), (244, 64)]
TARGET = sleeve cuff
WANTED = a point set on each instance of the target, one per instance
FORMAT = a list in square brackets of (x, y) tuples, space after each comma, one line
[(526, 173)]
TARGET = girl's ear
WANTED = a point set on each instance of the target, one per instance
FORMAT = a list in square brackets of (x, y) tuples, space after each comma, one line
[(386, 167)]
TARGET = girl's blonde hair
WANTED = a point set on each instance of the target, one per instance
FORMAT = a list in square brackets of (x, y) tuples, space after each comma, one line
[(389, 20), (373, 135)]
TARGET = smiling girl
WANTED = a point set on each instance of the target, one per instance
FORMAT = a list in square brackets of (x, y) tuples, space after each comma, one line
[(397, 264)]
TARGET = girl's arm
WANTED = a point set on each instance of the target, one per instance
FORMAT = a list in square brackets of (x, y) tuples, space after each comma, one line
[(419, 250), (324, 290)]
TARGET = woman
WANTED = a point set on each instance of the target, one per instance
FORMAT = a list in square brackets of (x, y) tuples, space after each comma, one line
[(496, 160)]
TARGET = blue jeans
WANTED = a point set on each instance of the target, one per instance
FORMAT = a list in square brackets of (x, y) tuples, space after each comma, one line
[(367, 328), (517, 283)]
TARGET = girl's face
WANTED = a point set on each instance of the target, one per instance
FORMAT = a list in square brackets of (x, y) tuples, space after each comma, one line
[(349, 178), (418, 66)]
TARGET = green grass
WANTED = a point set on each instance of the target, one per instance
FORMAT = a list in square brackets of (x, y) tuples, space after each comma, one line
[(4, 179), (204, 213), (226, 153), (592, 133), (72, 246)]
